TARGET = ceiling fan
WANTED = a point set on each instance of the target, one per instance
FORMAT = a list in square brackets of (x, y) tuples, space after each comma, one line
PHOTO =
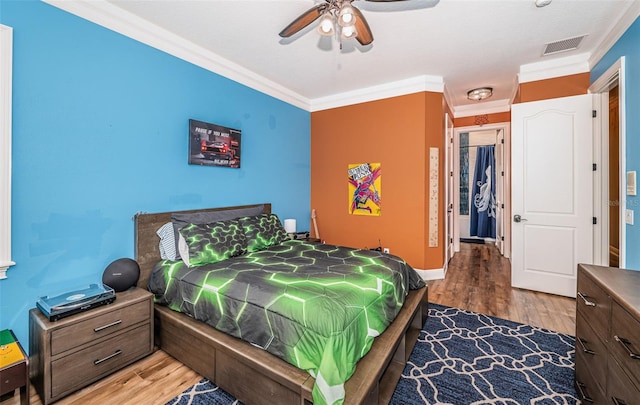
[(336, 15)]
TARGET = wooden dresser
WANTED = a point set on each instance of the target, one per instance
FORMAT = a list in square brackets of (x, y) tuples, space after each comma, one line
[(73, 352), (608, 335)]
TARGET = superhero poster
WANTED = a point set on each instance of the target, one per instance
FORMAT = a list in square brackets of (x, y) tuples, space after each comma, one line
[(364, 189)]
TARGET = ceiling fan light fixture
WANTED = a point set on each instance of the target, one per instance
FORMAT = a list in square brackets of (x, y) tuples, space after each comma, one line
[(480, 93), (349, 32), (346, 16), (326, 25)]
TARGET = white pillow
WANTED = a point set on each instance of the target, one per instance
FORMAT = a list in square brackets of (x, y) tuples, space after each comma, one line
[(167, 244), (183, 248)]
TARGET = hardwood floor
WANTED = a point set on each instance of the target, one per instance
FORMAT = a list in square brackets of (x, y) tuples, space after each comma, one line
[(478, 279)]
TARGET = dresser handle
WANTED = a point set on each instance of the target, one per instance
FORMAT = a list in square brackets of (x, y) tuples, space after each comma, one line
[(617, 401), (584, 347), (586, 301), (582, 393), (625, 343), (118, 352), (98, 329)]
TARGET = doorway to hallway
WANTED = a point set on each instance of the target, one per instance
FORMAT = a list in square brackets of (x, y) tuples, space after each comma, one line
[(481, 188)]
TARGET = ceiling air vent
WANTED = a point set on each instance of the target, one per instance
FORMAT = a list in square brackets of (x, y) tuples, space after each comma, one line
[(563, 45)]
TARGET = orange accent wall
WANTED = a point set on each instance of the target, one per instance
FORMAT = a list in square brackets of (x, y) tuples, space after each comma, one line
[(397, 133), (492, 119), (563, 86)]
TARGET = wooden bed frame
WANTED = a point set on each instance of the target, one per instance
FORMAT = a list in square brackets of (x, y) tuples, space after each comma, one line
[(255, 376)]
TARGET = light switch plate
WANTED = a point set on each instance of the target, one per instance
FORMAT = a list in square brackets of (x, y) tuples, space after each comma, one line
[(631, 183), (628, 217)]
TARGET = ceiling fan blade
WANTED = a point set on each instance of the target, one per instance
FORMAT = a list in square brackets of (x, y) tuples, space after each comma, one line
[(395, 5), (305, 19), (364, 35)]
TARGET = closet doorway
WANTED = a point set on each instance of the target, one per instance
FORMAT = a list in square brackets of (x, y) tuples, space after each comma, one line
[(481, 186)]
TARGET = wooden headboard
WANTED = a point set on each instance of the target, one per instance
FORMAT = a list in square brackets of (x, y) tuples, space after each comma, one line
[(147, 252)]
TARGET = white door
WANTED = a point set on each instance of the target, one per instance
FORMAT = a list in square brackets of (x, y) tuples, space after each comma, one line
[(552, 201), (448, 254)]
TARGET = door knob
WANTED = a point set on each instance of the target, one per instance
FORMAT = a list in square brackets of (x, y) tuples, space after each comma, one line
[(518, 218)]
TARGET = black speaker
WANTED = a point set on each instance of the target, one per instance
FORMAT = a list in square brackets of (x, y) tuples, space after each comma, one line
[(121, 274)]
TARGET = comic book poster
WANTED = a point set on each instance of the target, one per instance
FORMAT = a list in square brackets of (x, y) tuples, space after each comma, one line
[(213, 145), (364, 189)]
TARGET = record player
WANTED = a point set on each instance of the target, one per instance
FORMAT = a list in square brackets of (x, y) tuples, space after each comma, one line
[(299, 235), (73, 302)]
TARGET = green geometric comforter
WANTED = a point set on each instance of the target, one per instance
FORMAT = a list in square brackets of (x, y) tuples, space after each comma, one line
[(316, 306)]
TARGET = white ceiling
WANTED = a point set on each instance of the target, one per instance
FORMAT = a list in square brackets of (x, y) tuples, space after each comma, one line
[(461, 43)]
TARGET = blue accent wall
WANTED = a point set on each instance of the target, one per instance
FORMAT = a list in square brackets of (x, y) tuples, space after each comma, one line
[(629, 46), (100, 132)]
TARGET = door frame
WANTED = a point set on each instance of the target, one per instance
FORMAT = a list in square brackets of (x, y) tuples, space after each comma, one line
[(506, 220), (449, 152), (614, 75)]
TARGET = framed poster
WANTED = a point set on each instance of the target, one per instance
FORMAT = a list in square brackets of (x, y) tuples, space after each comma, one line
[(365, 189), (213, 145)]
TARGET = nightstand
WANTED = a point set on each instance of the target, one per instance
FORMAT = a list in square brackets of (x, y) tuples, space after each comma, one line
[(14, 367), (73, 352)]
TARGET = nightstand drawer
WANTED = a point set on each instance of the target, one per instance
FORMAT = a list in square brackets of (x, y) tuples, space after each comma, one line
[(91, 329), (87, 365)]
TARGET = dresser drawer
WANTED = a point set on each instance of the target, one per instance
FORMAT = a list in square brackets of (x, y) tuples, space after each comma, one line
[(620, 390), (625, 341), (589, 392), (594, 304), (80, 368), (592, 351), (89, 330)]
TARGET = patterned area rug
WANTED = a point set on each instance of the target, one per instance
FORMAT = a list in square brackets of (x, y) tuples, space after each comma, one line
[(466, 358)]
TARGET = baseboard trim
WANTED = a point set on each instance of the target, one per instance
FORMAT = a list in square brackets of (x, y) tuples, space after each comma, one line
[(433, 274)]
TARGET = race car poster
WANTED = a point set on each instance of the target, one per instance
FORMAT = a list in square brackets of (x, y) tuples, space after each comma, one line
[(365, 189), (213, 145)]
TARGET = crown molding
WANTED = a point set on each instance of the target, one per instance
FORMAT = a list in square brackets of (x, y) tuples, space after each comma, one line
[(105, 14), (448, 97), (623, 24), (566, 66), (378, 92), (486, 107)]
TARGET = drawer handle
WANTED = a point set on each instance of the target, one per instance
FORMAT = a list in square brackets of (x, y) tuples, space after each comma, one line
[(586, 301), (584, 347), (117, 353), (625, 343), (98, 329), (617, 401), (583, 393)]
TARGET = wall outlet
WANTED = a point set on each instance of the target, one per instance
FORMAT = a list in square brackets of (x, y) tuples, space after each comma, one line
[(385, 250), (628, 217)]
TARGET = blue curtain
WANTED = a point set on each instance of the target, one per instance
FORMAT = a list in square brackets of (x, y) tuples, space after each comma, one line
[(483, 207)]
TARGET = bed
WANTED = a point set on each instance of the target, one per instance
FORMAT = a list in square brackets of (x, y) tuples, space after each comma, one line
[(251, 372)]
